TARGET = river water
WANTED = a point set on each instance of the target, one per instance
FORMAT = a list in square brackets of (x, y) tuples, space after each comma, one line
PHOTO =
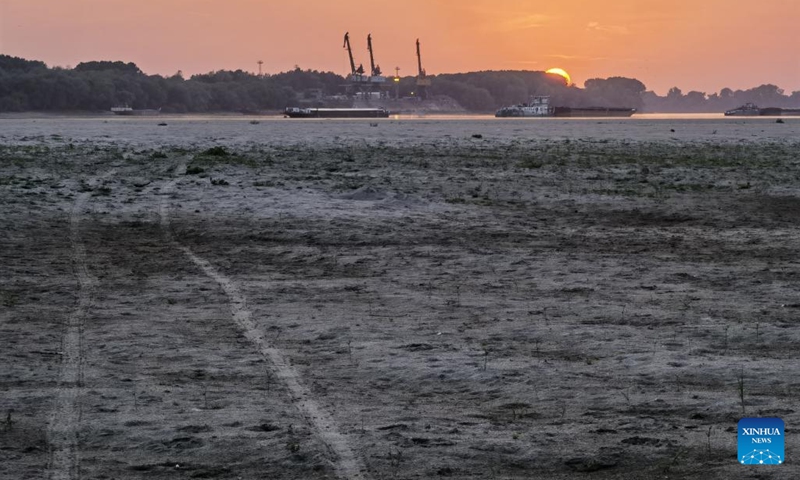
[(240, 130)]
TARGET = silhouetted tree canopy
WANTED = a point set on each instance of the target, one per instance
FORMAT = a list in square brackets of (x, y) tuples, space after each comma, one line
[(490, 90), (699, 102), (100, 85), (12, 64), (615, 92), (120, 67)]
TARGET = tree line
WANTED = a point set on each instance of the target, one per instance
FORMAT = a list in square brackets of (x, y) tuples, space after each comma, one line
[(484, 91), (97, 86), (676, 101), (30, 85), (489, 90)]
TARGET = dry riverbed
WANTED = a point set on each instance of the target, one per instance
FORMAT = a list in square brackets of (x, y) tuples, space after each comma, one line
[(453, 308)]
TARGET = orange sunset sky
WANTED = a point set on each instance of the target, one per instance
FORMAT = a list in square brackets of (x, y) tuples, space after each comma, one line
[(700, 45)]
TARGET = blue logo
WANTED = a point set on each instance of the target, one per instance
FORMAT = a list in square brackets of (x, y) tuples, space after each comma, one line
[(761, 441)]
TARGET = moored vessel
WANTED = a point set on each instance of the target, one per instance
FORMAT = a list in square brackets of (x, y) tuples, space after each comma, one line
[(752, 110), (538, 106), (778, 112), (297, 112), (593, 112), (127, 110), (746, 110)]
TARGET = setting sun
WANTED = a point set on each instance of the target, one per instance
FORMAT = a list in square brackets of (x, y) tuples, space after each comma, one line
[(558, 71)]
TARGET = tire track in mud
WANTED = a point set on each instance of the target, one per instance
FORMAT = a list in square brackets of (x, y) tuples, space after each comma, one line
[(65, 417), (346, 463)]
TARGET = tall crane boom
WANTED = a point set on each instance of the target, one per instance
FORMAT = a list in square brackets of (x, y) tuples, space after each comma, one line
[(422, 82), (349, 52), (419, 62), (374, 69)]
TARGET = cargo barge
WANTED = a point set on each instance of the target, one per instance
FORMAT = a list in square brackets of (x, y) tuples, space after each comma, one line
[(296, 112), (539, 106), (779, 112), (593, 112), (752, 110)]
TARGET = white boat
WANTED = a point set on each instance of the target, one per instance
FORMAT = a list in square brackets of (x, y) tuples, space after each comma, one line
[(122, 110), (127, 110)]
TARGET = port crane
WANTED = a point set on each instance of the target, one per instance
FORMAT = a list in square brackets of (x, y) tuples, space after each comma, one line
[(356, 74), (358, 81), (422, 81)]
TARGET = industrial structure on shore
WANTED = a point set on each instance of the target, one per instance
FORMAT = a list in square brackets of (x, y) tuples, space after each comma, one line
[(368, 93), (375, 84)]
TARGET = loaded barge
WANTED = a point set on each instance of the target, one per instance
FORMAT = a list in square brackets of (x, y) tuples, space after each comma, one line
[(752, 110), (296, 112), (593, 112), (539, 106)]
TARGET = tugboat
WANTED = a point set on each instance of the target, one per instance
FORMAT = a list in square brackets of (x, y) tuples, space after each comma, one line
[(538, 106), (746, 110)]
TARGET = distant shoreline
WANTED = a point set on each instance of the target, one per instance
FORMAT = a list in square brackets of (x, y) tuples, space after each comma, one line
[(405, 116)]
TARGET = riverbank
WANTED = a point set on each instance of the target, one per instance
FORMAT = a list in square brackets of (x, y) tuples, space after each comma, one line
[(475, 303)]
